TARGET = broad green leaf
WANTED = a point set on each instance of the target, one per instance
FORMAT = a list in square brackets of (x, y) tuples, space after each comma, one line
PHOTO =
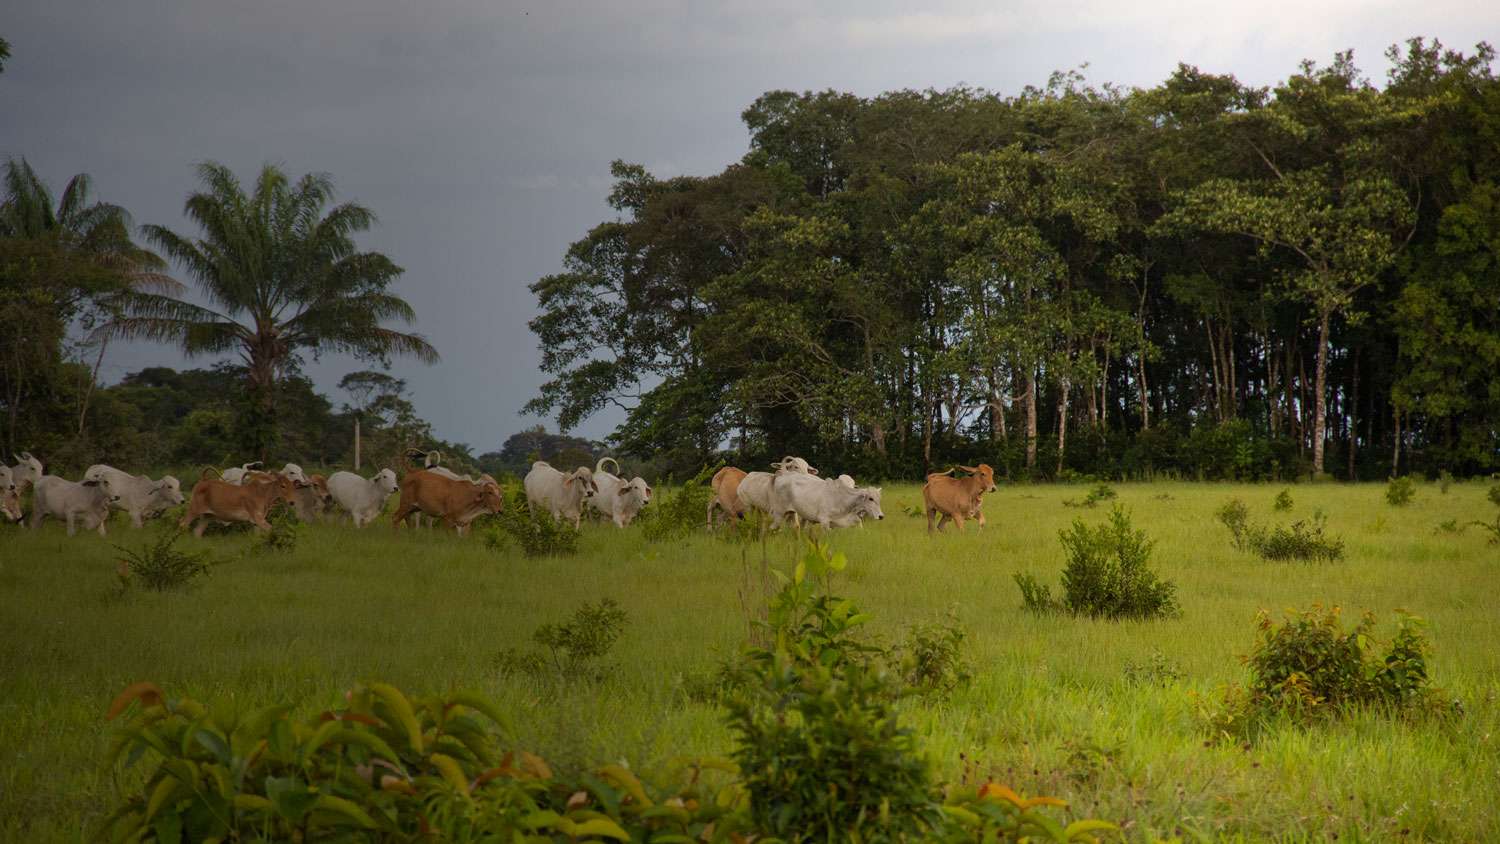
[(401, 708)]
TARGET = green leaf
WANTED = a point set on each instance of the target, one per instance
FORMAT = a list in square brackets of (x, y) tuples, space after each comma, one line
[(401, 708)]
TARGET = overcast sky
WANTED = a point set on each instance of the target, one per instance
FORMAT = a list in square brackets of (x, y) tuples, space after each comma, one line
[(481, 131)]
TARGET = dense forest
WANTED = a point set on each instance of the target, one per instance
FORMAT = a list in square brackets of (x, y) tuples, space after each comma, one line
[(1203, 278)]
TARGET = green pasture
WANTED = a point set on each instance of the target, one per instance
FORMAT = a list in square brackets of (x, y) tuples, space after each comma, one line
[(1050, 710)]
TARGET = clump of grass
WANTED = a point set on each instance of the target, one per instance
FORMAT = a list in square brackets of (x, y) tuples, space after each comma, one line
[(1283, 501), (1449, 526), (1304, 540), (570, 650), (1400, 491), (1154, 670), (1445, 480), (1309, 668), (1108, 574), (159, 565), (536, 533), (1101, 492)]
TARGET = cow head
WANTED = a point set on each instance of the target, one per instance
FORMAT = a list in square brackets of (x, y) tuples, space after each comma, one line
[(794, 464), (640, 483), (385, 481), (103, 489), (27, 471), (10, 502), (985, 474), (293, 472), (319, 485), (583, 478), (165, 493), (490, 497), (869, 504)]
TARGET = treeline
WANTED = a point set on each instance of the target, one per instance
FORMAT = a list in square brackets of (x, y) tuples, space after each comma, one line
[(1202, 278)]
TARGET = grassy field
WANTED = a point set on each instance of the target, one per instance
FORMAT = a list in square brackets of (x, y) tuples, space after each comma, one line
[(1050, 710)]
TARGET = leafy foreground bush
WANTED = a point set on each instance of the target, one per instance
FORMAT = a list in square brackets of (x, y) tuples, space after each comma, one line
[(679, 513), (1309, 668), (1399, 492), (159, 566), (1107, 575), (822, 757), (537, 534), (573, 648), (1304, 540)]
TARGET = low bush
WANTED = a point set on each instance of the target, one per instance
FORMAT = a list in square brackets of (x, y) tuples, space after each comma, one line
[(678, 513), (1309, 667), (284, 533), (930, 661), (1283, 501), (1445, 480), (1155, 670), (1236, 516), (1492, 528), (1494, 495), (1400, 491), (571, 649), (1303, 540), (1101, 492), (536, 533), (1036, 596), (1108, 575), (159, 565)]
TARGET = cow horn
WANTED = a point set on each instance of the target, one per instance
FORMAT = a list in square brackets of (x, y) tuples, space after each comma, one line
[(599, 466), (973, 470)]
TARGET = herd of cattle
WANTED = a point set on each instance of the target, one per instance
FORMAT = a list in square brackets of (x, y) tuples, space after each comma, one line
[(246, 494)]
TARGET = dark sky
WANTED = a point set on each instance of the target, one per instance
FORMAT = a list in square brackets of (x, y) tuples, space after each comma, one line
[(481, 132)]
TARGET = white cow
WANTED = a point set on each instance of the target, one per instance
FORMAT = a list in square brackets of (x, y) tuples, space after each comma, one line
[(563, 495), (363, 498), (755, 488), (618, 499), (814, 500), (237, 475), (137, 495), (26, 472), (69, 501)]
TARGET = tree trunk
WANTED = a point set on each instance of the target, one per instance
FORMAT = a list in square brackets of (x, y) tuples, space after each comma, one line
[(356, 443), (1396, 450), (1140, 360), (1062, 424), (1320, 402), (88, 389), (1353, 411), (1031, 419)]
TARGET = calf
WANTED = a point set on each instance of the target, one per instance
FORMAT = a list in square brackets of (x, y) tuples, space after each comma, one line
[(563, 495), (86, 501), (827, 503), (137, 495), (618, 499), (957, 498), (364, 499), (457, 503), (725, 485), (10, 498), (221, 501), (311, 499)]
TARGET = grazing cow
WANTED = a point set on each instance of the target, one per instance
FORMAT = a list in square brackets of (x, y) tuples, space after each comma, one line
[(71, 502), (221, 501), (26, 472), (725, 485), (10, 498), (457, 503), (815, 500), (618, 499), (754, 489), (563, 495), (137, 495), (364, 499), (957, 498), (311, 499)]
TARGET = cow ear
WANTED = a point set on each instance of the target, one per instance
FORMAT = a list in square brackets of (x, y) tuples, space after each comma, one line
[(567, 481)]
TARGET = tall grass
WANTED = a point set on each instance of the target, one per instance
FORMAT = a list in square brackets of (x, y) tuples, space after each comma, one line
[(1051, 708)]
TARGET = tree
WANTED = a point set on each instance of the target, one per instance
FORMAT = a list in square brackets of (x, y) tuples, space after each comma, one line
[(282, 275), (365, 388)]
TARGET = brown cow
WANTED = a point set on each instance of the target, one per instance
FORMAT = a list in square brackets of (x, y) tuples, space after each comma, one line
[(726, 484), (457, 503), (312, 499), (226, 502), (957, 498)]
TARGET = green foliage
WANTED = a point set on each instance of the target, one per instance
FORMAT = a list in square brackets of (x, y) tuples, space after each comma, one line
[(1035, 595), (572, 649), (1102, 492), (1305, 540), (1494, 495), (1283, 501), (159, 565), (284, 533), (1492, 528), (1236, 516), (1310, 668), (1399, 491), (678, 513), (1108, 573), (930, 660), (386, 767), (536, 533), (1445, 480), (1155, 670)]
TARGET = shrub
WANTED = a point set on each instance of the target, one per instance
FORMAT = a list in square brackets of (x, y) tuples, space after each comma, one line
[(1492, 528), (1494, 495), (537, 533), (679, 513), (284, 533), (1304, 541), (1445, 480), (930, 660), (1309, 667), (1399, 491), (1283, 501), (1107, 574), (1035, 595), (1156, 670), (159, 566), (1449, 526), (572, 648), (1101, 492), (1236, 516)]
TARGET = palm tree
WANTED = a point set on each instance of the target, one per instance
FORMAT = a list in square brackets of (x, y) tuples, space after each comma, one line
[(281, 275), (75, 260)]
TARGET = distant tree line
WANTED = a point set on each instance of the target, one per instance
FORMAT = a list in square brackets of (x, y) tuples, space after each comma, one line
[(1201, 278)]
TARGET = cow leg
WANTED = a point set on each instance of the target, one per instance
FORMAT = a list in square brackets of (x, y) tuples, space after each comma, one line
[(102, 522), (200, 528), (958, 519), (710, 515), (69, 520)]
